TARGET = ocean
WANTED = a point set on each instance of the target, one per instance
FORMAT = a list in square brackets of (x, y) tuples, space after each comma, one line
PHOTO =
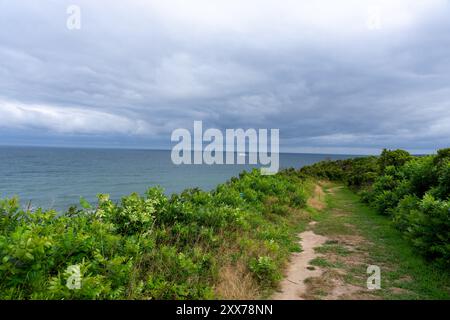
[(57, 177)]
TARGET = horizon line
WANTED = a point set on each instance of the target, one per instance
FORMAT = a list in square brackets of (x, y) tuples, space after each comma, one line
[(162, 149)]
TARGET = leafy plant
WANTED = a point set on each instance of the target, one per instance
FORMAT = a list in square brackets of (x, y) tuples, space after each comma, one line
[(151, 246)]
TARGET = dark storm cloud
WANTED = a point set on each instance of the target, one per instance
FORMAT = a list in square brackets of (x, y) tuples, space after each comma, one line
[(137, 70)]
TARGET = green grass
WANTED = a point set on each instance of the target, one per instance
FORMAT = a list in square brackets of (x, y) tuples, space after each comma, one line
[(404, 273), (324, 263), (333, 248)]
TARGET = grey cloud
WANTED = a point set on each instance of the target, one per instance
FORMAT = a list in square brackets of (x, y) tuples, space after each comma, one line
[(136, 71)]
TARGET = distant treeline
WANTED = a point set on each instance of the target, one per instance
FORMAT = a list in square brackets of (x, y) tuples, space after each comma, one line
[(414, 191)]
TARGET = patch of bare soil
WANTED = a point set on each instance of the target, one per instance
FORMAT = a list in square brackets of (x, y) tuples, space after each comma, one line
[(331, 284), (343, 252), (293, 287), (317, 201)]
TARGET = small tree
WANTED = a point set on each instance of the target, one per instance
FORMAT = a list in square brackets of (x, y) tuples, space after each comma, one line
[(396, 158)]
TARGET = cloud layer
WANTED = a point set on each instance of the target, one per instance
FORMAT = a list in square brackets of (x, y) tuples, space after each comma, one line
[(318, 71)]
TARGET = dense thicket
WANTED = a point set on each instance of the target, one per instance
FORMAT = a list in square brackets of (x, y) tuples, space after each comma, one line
[(152, 246), (413, 190)]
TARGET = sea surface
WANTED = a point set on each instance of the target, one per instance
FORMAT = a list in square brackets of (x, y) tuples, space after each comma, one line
[(57, 177)]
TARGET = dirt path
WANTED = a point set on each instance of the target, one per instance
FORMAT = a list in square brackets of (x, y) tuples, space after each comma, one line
[(344, 255), (293, 287), (338, 248), (317, 272)]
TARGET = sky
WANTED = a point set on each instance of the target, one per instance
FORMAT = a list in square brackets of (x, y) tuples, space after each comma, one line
[(348, 76)]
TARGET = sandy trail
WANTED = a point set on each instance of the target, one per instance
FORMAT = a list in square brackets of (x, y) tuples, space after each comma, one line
[(293, 286)]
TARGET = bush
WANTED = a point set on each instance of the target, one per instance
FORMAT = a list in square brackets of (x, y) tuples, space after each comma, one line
[(428, 228), (421, 172), (299, 199), (356, 173), (406, 207), (265, 270), (396, 158), (151, 246)]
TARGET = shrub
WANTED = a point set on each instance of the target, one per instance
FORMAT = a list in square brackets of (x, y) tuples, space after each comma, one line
[(421, 173), (151, 246), (406, 207), (265, 270), (299, 198), (396, 158), (443, 187), (429, 227)]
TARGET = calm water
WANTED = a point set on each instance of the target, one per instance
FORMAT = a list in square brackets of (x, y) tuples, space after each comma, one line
[(57, 177)]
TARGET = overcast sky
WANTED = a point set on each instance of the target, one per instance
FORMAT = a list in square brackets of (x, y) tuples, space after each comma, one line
[(334, 76)]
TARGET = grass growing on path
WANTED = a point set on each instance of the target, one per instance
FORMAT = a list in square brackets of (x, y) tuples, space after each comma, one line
[(359, 237)]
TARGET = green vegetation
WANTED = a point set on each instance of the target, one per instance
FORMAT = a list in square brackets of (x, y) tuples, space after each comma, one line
[(413, 191), (234, 241), (155, 247)]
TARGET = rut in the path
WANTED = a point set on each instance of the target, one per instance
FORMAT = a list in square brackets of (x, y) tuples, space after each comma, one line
[(293, 287)]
